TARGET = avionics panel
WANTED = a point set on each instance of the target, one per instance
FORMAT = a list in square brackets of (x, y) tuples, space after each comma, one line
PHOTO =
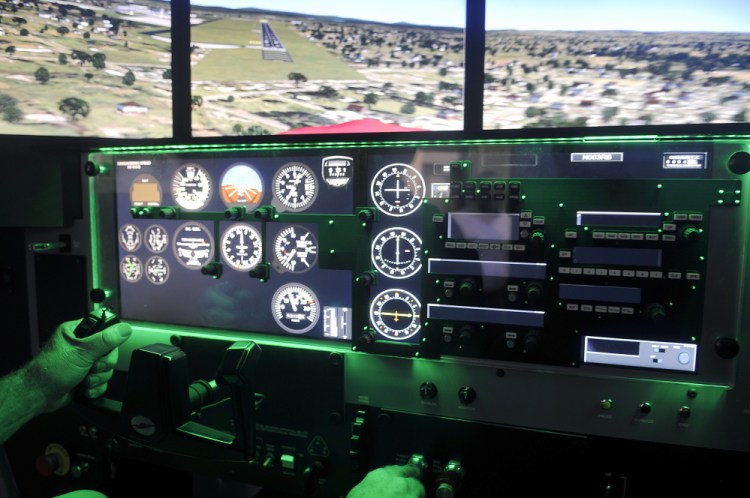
[(503, 251)]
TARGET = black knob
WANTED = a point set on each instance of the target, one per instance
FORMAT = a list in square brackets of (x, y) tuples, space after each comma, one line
[(684, 412), (366, 214), (645, 408), (468, 287), (235, 213), (168, 213), (534, 292), (465, 335), (656, 312), (98, 295), (264, 213), (261, 271), (531, 342), (427, 391), (690, 233), (213, 269), (739, 163), (310, 476), (467, 395), (366, 279), (726, 347), (91, 169), (366, 339)]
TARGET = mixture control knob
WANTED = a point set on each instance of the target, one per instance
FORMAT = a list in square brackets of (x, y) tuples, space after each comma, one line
[(427, 391), (656, 312), (690, 233), (534, 292), (55, 460), (445, 490), (419, 462), (467, 395)]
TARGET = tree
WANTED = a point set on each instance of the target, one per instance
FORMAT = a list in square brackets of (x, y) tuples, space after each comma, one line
[(24, 32), (42, 75), (297, 78), (88, 76), (62, 30), (10, 50), (423, 98), (238, 129), (371, 99), (257, 130), (196, 101), (62, 59), (74, 107), (12, 114), (408, 109), (129, 78), (99, 60), (609, 113), (328, 92), (167, 74)]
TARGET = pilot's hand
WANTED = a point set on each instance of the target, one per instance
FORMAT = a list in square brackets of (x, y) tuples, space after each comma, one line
[(393, 481), (66, 361)]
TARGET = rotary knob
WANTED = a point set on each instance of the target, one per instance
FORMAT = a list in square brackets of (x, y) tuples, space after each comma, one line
[(467, 395), (427, 391)]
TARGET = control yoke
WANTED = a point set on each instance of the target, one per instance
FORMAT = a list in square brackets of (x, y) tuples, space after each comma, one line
[(160, 402)]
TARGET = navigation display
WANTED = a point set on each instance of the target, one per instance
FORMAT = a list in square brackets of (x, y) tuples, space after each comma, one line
[(289, 67), (583, 63)]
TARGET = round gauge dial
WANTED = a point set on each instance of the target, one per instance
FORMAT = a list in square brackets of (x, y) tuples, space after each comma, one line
[(295, 308), (156, 238), (191, 187), (241, 246), (295, 249), (157, 270), (295, 187), (130, 237), (396, 252), (397, 189), (395, 314), (131, 269), (193, 245)]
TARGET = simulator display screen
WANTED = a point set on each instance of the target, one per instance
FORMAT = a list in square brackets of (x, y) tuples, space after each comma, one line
[(90, 69), (586, 63), (263, 67), (164, 263)]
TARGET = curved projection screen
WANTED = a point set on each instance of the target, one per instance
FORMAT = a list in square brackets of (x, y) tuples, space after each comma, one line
[(287, 66), (88, 68), (618, 63)]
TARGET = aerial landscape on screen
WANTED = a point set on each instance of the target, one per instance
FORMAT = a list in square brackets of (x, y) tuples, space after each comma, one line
[(95, 68)]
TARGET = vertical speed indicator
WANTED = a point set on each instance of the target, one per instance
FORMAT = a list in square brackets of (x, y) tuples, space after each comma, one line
[(397, 189)]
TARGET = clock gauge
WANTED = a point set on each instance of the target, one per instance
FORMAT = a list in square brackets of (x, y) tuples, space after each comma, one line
[(191, 187), (397, 189), (295, 308), (395, 314), (241, 246), (131, 269), (295, 187), (193, 245), (295, 250), (130, 237), (156, 238), (157, 270), (396, 252)]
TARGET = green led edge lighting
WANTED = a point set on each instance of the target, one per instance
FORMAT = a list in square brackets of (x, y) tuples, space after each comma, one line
[(94, 231), (164, 149), (230, 335)]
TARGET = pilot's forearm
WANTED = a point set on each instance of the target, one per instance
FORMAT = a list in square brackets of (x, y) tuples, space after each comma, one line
[(21, 399)]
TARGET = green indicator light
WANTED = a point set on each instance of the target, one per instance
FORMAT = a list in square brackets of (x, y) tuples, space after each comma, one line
[(721, 191), (736, 201), (424, 339), (585, 229), (440, 237), (262, 280), (561, 204), (330, 222), (523, 197), (693, 287), (671, 304), (659, 230), (700, 230), (666, 213), (276, 216), (425, 201), (364, 224), (446, 201), (437, 282), (659, 185), (552, 278), (437, 300), (738, 192), (552, 246), (721, 201), (332, 251), (702, 258), (693, 339), (427, 251), (416, 355)]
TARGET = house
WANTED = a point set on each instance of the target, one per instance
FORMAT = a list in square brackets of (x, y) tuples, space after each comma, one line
[(131, 108)]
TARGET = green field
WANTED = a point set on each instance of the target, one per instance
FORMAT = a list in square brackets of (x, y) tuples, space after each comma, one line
[(247, 64)]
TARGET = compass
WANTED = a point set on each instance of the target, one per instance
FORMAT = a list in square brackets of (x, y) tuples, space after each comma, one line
[(130, 237), (295, 187), (131, 269), (241, 246), (295, 249), (397, 189), (157, 270), (193, 245), (156, 238), (295, 308), (396, 252), (395, 314), (191, 187)]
